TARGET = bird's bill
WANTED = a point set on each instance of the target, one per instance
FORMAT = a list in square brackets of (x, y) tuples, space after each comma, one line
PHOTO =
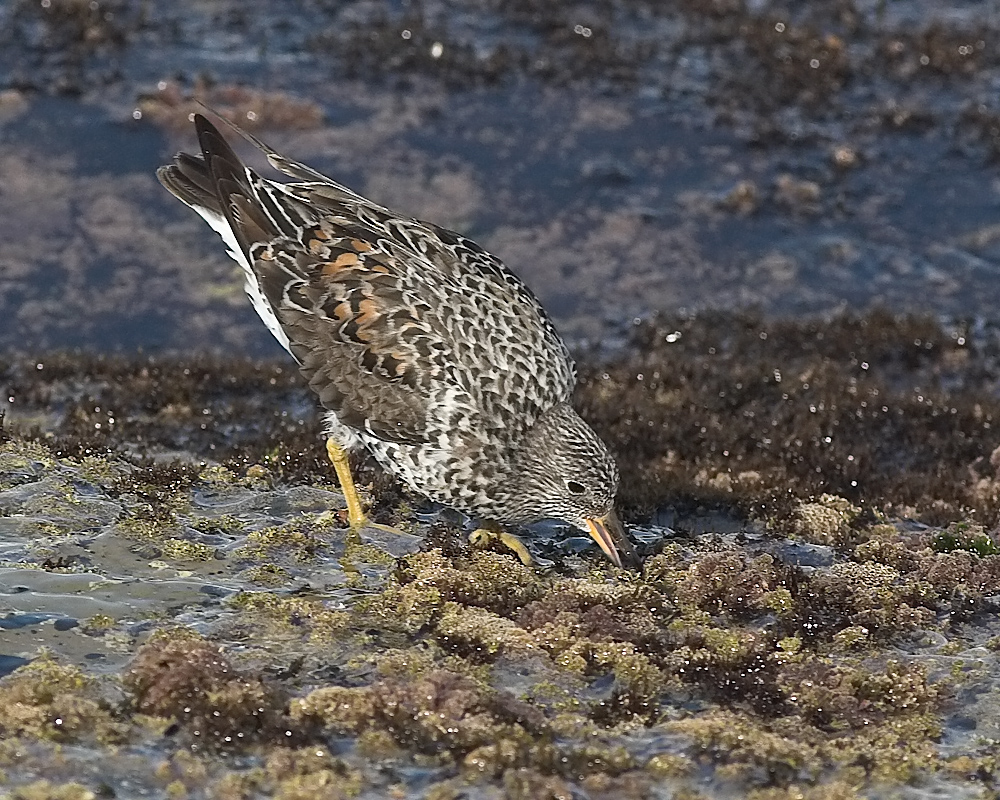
[(609, 533)]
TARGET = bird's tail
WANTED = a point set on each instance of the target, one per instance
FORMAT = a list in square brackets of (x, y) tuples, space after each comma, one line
[(236, 202), (221, 184)]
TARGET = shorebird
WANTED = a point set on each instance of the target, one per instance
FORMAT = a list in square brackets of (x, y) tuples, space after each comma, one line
[(423, 349)]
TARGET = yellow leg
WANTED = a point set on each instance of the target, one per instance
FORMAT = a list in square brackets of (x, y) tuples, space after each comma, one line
[(355, 514), (490, 531)]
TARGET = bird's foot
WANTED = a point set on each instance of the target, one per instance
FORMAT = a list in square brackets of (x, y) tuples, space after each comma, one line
[(336, 519), (481, 537), (386, 528)]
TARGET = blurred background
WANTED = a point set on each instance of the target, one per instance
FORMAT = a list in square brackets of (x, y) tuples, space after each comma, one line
[(623, 156)]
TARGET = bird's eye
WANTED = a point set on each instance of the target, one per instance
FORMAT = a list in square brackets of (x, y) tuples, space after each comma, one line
[(575, 487)]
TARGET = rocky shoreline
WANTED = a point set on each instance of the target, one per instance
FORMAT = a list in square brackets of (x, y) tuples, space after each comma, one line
[(187, 615)]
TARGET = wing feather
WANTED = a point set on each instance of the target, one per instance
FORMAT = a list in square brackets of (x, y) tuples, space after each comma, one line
[(377, 309)]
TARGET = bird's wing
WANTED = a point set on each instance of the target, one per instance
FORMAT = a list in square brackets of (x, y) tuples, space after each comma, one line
[(336, 299), (481, 312), (375, 308)]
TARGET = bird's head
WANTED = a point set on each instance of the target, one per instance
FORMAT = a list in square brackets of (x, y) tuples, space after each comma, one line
[(565, 472)]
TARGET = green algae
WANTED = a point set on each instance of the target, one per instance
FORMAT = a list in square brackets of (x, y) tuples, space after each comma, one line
[(45, 790), (222, 524), (267, 575), (298, 541), (98, 624), (477, 632), (50, 701), (359, 552), (459, 720), (25, 456), (309, 618), (217, 474), (433, 701), (965, 536), (184, 550), (105, 472), (724, 666), (425, 581)]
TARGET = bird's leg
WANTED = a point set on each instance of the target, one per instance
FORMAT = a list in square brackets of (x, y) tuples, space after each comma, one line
[(355, 514), (490, 531)]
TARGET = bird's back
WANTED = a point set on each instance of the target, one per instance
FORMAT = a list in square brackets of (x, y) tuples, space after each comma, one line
[(409, 333)]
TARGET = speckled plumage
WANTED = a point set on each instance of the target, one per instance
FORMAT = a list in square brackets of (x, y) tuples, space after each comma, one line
[(422, 347)]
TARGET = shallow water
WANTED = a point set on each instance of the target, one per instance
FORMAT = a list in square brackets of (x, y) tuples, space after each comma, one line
[(611, 200)]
